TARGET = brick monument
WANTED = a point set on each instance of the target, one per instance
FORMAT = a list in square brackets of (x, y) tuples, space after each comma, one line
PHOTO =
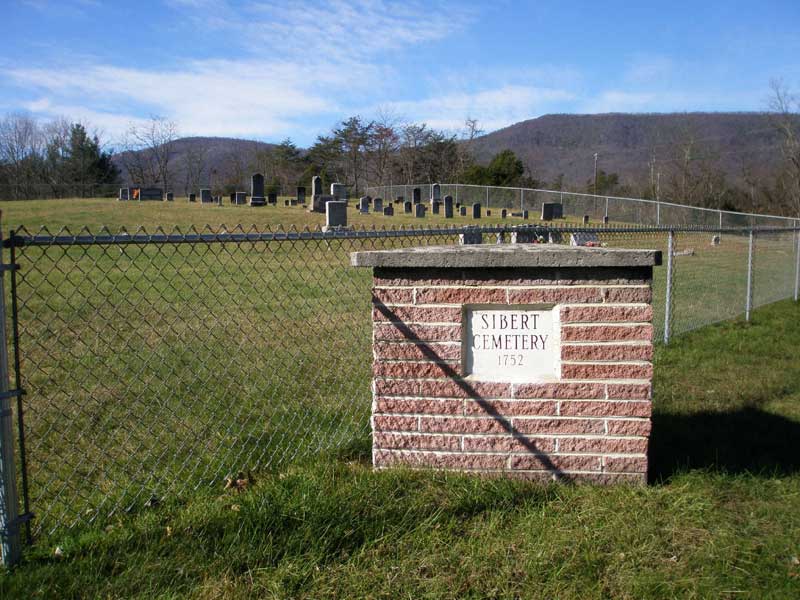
[(529, 361)]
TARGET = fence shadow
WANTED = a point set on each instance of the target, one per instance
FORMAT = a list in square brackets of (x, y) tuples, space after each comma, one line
[(747, 440)]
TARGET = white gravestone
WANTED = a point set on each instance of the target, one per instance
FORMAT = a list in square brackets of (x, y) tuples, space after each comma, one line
[(518, 345)]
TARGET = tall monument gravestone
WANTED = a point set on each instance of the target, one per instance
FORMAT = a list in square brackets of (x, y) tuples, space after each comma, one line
[(205, 196), (317, 199), (529, 361), (416, 195), (257, 190), (448, 207)]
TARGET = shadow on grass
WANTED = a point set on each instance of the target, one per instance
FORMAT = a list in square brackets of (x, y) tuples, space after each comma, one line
[(747, 440)]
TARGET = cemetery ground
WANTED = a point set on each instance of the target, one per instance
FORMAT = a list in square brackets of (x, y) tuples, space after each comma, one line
[(719, 519)]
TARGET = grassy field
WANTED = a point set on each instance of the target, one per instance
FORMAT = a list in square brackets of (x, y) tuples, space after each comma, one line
[(719, 520)]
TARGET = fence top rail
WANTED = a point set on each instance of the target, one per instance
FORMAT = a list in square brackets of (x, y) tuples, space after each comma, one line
[(595, 196), (64, 237)]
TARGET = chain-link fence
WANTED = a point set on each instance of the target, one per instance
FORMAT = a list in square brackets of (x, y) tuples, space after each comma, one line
[(157, 364), (596, 207)]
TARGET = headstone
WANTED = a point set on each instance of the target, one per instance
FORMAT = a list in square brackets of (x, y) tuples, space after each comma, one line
[(316, 185), (416, 196), (388, 211), (715, 240), (152, 193), (218, 200), (435, 204), (584, 238), (301, 194), (293, 202), (338, 191), (585, 219), (233, 198), (476, 211), (503, 213), (462, 211), (377, 205), (436, 192), (407, 207), (241, 198), (335, 214), (488, 212), (458, 204), (170, 197), (525, 214), (448, 207), (552, 210), (272, 198), (605, 220), (124, 194), (257, 190), (286, 203), (363, 205), (419, 210), (526, 236), (192, 197), (205, 196), (470, 237)]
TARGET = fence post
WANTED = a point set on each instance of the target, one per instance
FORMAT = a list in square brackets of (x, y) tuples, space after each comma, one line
[(9, 501), (797, 264), (606, 214), (487, 196), (658, 213), (522, 199), (749, 300), (668, 299)]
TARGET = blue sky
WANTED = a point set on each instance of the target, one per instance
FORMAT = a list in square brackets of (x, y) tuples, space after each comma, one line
[(270, 70)]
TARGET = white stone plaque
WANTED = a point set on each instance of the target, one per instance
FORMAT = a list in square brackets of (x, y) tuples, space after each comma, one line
[(519, 344)]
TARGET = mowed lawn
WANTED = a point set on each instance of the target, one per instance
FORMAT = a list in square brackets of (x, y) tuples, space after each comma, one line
[(720, 519)]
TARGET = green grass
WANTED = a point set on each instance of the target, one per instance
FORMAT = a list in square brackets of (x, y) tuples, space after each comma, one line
[(719, 519)]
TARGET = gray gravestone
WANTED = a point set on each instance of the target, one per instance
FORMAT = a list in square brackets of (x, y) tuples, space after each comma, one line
[(407, 207), (605, 220), (448, 207), (470, 237), (286, 203), (257, 190), (316, 185), (525, 236), (335, 214), (363, 205), (377, 205), (419, 210), (301, 194), (462, 211), (488, 212), (388, 211), (476, 211), (416, 196), (241, 198), (192, 198), (503, 213), (552, 210), (585, 219), (339, 191), (205, 196), (232, 198), (584, 239), (435, 204), (272, 198), (317, 202), (170, 196), (525, 214), (124, 194), (436, 192)]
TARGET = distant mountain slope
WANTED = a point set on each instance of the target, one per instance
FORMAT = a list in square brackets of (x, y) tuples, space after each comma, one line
[(220, 155), (626, 143)]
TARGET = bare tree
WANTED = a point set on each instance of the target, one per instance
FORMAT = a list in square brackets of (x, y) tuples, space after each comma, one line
[(383, 144), (20, 151), (194, 159), (785, 107), (149, 150)]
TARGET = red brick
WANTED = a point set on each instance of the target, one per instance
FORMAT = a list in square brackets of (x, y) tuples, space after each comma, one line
[(435, 407), (604, 445), (416, 314), (560, 463), (460, 295), (393, 295), (628, 295), (605, 478), (416, 442), (384, 387), (628, 391), (625, 464), (392, 423), (554, 295), (511, 407), (607, 333), (415, 369), (507, 443), (439, 461), (558, 426), (606, 371), (405, 332), (431, 351), (587, 391), (606, 314), (572, 408), (464, 389), (623, 427), (607, 352), (460, 425)]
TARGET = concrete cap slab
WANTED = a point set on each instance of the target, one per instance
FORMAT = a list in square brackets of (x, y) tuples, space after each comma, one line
[(481, 256)]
